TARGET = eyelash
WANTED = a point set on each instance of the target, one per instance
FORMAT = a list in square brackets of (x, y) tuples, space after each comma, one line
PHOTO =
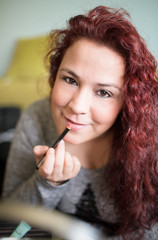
[(105, 93), (70, 80), (101, 93)]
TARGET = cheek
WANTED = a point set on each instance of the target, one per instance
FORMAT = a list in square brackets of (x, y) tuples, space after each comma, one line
[(106, 114), (58, 97)]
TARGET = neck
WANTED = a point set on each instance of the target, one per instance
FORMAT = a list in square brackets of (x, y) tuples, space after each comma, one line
[(95, 153)]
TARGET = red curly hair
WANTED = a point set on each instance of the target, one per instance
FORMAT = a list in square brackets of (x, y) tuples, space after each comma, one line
[(133, 172)]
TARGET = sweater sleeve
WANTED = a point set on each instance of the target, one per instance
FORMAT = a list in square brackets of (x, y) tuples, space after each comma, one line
[(152, 234), (22, 181)]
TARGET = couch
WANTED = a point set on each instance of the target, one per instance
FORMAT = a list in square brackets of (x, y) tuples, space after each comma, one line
[(26, 78), (25, 81)]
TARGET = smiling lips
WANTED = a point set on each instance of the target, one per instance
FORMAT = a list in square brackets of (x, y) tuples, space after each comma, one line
[(75, 126)]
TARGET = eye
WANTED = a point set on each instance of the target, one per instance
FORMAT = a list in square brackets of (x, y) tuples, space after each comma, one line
[(104, 93), (70, 80)]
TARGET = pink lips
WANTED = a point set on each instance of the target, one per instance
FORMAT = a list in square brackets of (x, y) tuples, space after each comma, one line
[(76, 126)]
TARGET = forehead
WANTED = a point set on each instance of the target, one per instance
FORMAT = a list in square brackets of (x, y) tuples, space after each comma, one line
[(89, 58)]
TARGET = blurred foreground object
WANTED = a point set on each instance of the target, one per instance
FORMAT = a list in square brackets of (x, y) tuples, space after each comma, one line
[(60, 225)]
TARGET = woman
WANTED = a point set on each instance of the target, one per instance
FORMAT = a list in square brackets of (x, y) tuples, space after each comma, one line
[(102, 80)]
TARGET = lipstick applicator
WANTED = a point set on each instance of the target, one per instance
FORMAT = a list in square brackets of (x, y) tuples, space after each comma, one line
[(62, 135)]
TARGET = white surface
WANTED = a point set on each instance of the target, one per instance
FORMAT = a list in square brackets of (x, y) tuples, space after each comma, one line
[(29, 18)]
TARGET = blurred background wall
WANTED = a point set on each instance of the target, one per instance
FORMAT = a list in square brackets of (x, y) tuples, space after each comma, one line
[(30, 18)]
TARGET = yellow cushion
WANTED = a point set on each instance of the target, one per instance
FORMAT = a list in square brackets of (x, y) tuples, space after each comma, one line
[(28, 59), (27, 78), (22, 94)]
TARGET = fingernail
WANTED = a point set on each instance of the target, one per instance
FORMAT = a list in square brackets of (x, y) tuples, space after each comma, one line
[(62, 141), (51, 150)]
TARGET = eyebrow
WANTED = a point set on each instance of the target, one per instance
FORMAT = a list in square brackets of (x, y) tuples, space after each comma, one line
[(110, 85), (99, 84), (70, 72)]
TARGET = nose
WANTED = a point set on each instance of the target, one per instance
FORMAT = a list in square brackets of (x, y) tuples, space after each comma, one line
[(80, 102)]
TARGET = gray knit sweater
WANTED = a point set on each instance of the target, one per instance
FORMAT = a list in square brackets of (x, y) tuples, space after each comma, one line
[(83, 196)]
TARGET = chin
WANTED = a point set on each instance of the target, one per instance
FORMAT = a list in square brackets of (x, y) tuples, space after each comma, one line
[(73, 140)]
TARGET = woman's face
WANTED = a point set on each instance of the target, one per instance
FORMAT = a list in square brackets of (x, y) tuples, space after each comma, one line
[(88, 91)]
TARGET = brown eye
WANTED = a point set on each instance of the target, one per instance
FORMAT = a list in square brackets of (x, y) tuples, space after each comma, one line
[(70, 80), (104, 93)]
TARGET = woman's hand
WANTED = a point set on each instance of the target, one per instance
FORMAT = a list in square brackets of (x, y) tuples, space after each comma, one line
[(58, 165)]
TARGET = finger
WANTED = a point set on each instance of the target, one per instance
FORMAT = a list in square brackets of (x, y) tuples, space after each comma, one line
[(59, 161), (47, 167), (76, 166), (68, 166), (39, 151)]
